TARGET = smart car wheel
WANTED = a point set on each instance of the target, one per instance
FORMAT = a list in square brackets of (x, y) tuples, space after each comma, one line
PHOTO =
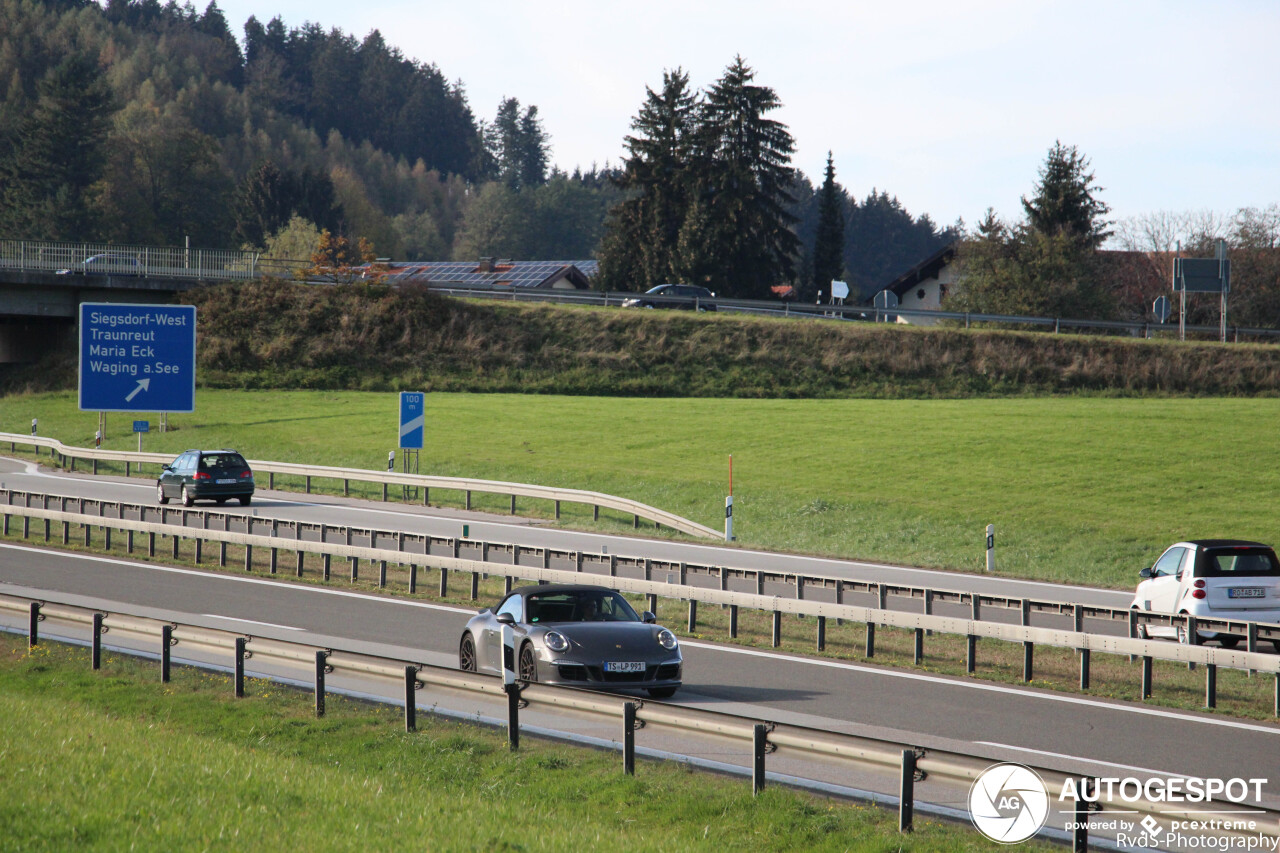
[(528, 664), (245, 499), (1141, 629), (467, 653), (187, 500), (161, 497)]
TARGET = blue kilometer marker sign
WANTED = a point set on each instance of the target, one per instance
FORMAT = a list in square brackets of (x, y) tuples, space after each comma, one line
[(137, 358)]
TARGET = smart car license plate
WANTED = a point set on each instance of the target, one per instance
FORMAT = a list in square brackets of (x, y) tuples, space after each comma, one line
[(624, 666), (1246, 592), (226, 482)]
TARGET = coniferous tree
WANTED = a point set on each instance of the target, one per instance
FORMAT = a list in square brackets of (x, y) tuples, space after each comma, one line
[(1065, 199), (828, 245), (745, 175), (58, 155), (657, 173)]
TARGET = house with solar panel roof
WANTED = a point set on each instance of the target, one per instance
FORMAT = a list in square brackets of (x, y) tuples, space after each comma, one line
[(490, 273)]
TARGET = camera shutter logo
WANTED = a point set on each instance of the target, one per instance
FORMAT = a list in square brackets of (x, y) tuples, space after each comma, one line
[(1009, 803)]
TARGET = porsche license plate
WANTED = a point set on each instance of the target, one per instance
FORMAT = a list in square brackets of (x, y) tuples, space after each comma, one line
[(226, 482), (624, 666), (1246, 592)]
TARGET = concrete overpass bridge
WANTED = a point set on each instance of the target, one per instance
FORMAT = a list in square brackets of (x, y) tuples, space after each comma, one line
[(43, 284)]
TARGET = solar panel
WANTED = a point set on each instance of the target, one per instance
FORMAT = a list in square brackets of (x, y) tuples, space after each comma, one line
[(509, 273)]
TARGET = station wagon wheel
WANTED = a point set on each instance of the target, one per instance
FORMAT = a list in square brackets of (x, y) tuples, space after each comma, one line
[(467, 653), (187, 500), (161, 497), (528, 665)]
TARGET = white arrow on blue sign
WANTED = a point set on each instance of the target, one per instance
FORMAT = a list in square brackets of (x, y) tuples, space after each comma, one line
[(137, 358), (413, 418)]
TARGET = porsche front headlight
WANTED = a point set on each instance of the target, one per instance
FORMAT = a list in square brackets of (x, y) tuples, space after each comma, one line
[(666, 639), (555, 641)]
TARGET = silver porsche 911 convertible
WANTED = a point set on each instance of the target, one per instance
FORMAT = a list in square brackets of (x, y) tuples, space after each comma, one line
[(576, 635)]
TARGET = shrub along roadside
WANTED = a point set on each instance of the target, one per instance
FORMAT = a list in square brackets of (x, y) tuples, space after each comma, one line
[(281, 335), (113, 760)]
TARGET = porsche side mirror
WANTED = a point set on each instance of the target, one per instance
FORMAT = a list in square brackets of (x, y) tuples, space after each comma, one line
[(1146, 573), (506, 619), (649, 618)]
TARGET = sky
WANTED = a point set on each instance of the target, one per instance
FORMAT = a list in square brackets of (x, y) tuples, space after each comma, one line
[(950, 106)]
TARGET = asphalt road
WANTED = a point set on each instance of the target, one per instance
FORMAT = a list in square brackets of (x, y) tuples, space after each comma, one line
[(22, 475)]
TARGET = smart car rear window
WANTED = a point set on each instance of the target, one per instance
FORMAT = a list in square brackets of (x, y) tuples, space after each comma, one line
[(1240, 563)]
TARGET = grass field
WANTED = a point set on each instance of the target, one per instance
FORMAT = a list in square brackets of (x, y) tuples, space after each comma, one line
[(1081, 489), (114, 760)]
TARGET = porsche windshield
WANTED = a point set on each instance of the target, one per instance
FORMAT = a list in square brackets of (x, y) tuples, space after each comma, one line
[(579, 606)]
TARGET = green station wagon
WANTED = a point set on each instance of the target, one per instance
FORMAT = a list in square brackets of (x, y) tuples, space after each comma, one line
[(206, 475)]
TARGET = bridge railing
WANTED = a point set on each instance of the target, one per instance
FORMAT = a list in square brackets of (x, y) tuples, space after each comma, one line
[(125, 260)]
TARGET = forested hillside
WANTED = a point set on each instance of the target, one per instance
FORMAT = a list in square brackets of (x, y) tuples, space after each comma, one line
[(143, 122)]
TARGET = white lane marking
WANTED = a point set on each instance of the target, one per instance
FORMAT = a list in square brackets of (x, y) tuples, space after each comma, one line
[(212, 576), (992, 688), (252, 622), (1079, 758)]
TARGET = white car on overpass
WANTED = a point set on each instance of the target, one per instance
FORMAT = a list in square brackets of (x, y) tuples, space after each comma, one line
[(1211, 579)]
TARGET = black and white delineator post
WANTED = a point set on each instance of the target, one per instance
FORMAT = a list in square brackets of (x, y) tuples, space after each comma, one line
[(991, 547), (728, 518), (511, 686), (34, 422), (391, 460)]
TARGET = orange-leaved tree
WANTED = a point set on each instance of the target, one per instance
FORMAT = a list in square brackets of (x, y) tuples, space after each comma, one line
[(336, 259)]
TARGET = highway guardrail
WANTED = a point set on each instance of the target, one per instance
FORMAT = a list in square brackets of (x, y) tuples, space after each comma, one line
[(913, 762), (424, 482)]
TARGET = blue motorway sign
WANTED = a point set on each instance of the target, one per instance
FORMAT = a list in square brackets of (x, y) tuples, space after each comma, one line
[(413, 418), (142, 426), (137, 358)]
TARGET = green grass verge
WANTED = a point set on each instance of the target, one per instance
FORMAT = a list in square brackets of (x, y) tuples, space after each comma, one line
[(114, 760), (1081, 490)]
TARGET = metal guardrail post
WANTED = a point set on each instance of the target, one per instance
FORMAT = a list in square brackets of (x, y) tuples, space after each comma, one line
[(98, 631), (166, 643), (33, 625), (907, 791), (410, 698), (240, 656), (322, 666), (759, 746), (629, 738)]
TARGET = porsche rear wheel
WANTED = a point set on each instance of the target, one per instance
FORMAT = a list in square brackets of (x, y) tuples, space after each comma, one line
[(467, 654), (528, 664)]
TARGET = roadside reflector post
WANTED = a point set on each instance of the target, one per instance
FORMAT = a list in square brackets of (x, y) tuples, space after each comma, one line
[(1084, 669), (629, 738), (728, 518), (733, 621), (907, 791), (760, 744), (1146, 677), (475, 585), (411, 685), (693, 615), (413, 578), (917, 652), (777, 628), (1193, 638), (1211, 685), (822, 633), (991, 547), (166, 642), (98, 631), (322, 667), (1028, 647), (511, 686)]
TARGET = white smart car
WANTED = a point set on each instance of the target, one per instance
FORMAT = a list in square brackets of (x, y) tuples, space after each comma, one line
[(1213, 579)]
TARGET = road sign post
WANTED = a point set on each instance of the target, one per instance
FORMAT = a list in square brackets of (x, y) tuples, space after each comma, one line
[(137, 358)]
